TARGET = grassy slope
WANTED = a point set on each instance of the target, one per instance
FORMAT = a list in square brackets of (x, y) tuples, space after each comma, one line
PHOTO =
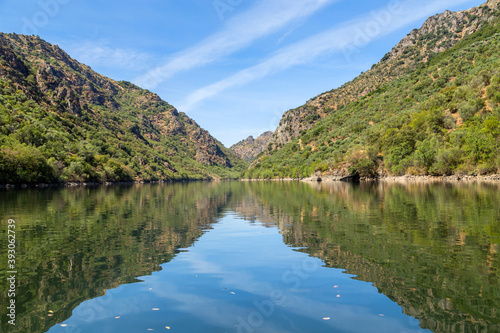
[(442, 118)]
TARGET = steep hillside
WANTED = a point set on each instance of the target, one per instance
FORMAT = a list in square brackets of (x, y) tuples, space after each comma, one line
[(61, 121), (438, 33), (427, 108), (249, 148)]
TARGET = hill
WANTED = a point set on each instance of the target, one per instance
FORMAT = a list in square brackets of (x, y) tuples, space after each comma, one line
[(430, 106), (249, 148), (60, 121)]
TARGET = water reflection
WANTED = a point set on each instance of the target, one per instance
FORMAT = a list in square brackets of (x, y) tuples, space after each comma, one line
[(75, 243), (432, 249)]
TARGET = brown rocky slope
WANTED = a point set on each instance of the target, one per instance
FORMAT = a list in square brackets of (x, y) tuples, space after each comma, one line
[(249, 148)]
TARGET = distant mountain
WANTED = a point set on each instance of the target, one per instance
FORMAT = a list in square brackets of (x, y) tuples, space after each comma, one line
[(249, 148), (61, 121), (430, 106)]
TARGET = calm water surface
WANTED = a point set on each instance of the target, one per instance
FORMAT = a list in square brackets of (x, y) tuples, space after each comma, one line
[(254, 257)]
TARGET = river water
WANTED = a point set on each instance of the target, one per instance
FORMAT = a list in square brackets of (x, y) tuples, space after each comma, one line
[(254, 257)]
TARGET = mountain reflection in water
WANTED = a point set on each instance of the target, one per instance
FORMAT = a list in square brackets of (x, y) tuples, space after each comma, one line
[(430, 248)]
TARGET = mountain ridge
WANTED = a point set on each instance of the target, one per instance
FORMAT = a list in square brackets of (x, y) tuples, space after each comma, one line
[(249, 148), (305, 116), (419, 111), (62, 121)]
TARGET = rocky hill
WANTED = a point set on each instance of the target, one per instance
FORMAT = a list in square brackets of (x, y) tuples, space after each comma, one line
[(438, 33), (430, 106), (249, 148), (61, 121)]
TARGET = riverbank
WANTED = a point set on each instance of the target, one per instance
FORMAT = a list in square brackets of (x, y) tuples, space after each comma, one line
[(328, 178), (76, 184), (71, 184), (408, 178), (270, 180)]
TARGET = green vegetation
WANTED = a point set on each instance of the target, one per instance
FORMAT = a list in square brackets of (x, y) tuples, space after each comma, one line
[(62, 122), (442, 118)]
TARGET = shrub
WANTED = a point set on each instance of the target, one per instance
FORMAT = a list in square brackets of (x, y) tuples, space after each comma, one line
[(425, 153), (24, 164), (467, 109), (446, 161), (362, 163)]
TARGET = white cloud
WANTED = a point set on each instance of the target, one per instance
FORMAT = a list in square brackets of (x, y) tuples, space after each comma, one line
[(267, 17), (99, 53), (347, 37)]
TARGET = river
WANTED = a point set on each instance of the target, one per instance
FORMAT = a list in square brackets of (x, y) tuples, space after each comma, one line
[(253, 257)]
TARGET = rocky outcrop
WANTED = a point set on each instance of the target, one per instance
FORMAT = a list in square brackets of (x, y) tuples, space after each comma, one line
[(439, 33), (249, 148)]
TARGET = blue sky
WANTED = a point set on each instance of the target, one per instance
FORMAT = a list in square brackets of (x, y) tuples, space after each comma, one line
[(234, 66)]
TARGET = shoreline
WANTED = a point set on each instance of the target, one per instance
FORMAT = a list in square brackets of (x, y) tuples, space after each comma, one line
[(270, 180), (85, 184), (394, 179), (409, 178), (319, 179)]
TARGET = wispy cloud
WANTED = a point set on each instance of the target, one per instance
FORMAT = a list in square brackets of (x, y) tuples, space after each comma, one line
[(100, 54), (267, 17), (348, 36)]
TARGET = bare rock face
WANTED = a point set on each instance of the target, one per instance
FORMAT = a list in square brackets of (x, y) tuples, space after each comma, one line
[(493, 3), (249, 148), (437, 34)]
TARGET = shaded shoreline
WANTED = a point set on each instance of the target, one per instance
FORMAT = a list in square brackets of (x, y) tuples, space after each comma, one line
[(76, 184), (409, 178), (395, 179), (328, 179)]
